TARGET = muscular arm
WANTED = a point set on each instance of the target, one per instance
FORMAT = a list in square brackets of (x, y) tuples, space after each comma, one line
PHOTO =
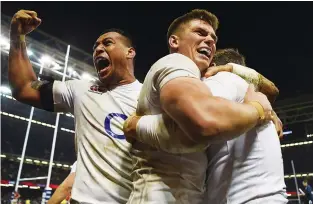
[(21, 74), (63, 190), (201, 115), (22, 78)]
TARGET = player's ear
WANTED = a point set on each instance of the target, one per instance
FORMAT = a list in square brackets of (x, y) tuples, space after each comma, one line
[(131, 53), (173, 42), (213, 64)]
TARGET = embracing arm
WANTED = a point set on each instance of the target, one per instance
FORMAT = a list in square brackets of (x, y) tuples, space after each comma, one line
[(191, 105), (262, 84), (198, 114)]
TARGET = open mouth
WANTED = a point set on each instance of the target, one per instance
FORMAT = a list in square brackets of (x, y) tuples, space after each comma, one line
[(205, 51), (102, 63)]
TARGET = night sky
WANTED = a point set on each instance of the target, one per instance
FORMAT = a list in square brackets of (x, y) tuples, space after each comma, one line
[(275, 37)]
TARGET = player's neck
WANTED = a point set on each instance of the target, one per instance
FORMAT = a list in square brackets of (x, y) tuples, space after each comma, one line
[(127, 76), (128, 79), (120, 81)]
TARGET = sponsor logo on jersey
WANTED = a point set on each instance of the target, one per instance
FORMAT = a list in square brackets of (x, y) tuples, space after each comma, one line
[(97, 89)]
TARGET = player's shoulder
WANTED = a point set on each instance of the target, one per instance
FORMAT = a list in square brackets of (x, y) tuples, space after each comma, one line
[(83, 84), (174, 57), (175, 60), (131, 87), (80, 86), (73, 82)]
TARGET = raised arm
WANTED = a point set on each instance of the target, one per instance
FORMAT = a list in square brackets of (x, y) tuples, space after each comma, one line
[(22, 78)]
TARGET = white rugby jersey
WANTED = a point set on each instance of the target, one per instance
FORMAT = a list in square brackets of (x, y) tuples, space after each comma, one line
[(104, 163), (248, 168), (73, 169), (161, 177)]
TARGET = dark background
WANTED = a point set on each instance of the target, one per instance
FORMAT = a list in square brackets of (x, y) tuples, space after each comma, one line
[(275, 37)]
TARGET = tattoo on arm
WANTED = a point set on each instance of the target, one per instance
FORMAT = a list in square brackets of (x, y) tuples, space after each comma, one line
[(38, 84)]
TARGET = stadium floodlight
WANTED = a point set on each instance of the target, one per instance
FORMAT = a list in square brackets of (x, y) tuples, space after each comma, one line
[(2, 155), (29, 160), (75, 74), (4, 42), (5, 89), (44, 162), (87, 77), (45, 60), (56, 66), (29, 52), (70, 70), (310, 135), (287, 132)]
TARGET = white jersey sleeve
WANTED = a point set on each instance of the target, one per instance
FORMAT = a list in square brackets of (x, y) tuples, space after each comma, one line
[(73, 167), (63, 96), (173, 66), (165, 69)]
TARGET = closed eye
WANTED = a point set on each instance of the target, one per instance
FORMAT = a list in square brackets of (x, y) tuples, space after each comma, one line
[(107, 43)]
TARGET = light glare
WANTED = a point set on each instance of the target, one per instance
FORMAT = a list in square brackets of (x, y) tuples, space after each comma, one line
[(5, 89), (46, 59)]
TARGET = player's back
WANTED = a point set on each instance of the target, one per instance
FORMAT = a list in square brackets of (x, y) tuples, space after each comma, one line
[(249, 167), (104, 163), (161, 177)]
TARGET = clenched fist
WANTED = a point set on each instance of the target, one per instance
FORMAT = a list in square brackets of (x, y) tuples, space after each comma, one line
[(24, 22)]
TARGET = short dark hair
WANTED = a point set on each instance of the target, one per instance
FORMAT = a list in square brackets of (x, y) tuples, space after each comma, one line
[(224, 56), (129, 40), (201, 14)]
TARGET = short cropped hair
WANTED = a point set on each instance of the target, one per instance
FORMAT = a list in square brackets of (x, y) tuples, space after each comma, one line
[(229, 55), (201, 14), (129, 41)]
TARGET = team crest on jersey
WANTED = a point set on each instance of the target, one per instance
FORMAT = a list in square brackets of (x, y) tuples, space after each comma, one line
[(97, 89)]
